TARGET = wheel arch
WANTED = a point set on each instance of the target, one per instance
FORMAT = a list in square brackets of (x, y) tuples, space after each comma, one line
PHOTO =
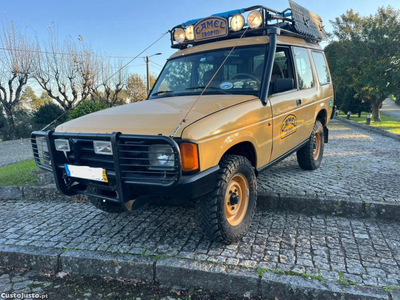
[(322, 116), (245, 149)]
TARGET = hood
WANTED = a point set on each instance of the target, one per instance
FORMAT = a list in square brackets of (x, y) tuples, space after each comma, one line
[(152, 117)]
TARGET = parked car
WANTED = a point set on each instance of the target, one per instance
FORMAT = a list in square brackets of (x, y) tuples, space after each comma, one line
[(237, 98)]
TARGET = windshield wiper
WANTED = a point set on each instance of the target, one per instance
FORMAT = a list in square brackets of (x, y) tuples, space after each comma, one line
[(201, 87), (161, 92)]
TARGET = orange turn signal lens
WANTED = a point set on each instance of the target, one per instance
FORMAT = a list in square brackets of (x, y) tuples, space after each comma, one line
[(190, 157)]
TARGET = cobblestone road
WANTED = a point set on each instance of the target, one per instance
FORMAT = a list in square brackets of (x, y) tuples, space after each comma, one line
[(356, 164), (15, 151), (363, 252), (390, 108)]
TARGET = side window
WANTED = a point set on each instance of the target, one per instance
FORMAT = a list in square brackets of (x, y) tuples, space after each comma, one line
[(280, 68), (258, 63), (303, 66), (283, 65), (321, 67)]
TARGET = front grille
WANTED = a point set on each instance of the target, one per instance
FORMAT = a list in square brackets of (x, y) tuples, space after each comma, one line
[(130, 162), (41, 152), (82, 153)]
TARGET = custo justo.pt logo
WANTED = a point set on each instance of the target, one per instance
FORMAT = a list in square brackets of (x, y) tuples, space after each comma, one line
[(23, 296)]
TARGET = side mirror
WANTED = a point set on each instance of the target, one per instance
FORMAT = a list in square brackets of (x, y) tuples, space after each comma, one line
[(282, 85)]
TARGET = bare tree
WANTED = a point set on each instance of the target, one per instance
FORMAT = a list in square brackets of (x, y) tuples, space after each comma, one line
[(66, 71), (16, 58), (111, 81), (136, 87)]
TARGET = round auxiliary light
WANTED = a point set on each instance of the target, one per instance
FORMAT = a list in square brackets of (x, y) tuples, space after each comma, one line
[(179, 35), (237, 22), (189, 33), (254, 19)]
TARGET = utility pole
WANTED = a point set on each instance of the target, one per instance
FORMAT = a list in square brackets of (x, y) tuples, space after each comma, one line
[(146, 59), (148, 74)]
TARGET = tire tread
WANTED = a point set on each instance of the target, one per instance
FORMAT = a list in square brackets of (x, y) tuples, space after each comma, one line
[(305, 156), (209, 212)]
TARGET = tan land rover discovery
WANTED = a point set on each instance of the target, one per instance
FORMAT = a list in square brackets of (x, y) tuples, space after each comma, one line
[(246, 89)]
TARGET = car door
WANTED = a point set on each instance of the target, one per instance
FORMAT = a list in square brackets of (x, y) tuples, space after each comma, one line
[(307, 95), (284, 105)]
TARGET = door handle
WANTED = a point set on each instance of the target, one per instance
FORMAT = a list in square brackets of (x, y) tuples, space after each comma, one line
[(298, 102)]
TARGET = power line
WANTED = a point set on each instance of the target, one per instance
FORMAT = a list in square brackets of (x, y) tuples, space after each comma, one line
[(131, 66), (119, 70), (61, 53), (157, 64), (72, 107)]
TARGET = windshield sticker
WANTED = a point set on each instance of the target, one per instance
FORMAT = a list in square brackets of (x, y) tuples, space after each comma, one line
[(289, 126), (226, 85), (238, 85), (251, 83)]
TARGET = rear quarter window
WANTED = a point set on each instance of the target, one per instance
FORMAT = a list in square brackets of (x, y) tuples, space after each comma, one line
[(321, 67)]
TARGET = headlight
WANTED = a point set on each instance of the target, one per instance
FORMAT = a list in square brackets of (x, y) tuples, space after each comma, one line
[(101, 147), (189, 33), (237, 22), (62, 145), (179, 35), (254, 19), (161, 156)]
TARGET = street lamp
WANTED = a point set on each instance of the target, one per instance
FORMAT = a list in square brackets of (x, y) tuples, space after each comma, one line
[(147, 70)]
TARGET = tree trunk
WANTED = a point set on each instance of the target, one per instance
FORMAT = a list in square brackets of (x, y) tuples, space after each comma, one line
[(11, 123), (375, 111)]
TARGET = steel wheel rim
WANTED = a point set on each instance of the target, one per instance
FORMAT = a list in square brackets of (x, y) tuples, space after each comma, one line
[(317, 145), (238, 190)]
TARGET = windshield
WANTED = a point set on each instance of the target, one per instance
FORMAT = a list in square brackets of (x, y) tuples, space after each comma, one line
[(189, 75)]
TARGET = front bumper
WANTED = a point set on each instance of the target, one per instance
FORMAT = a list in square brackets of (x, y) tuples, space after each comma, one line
[(128, 171)]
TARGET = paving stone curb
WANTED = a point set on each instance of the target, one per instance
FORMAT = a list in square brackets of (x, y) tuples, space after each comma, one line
[(186, 272), (11, 192), (48, 192), (299, 288), (345, 207), (214, 277), (107, 264), (336, 206), (32, 192), (370, 128), (30, 257), (395, 295)]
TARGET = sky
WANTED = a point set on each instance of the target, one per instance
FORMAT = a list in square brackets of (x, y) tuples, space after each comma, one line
[(125, 28)]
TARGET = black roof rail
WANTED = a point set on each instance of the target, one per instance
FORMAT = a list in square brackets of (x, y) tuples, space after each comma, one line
[(295, 21)]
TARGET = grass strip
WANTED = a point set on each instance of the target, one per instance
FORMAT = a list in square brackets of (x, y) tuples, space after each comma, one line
[(388, 123), (19, 173)]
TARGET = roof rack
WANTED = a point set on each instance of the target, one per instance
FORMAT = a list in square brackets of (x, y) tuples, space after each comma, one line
[(295, 21)]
